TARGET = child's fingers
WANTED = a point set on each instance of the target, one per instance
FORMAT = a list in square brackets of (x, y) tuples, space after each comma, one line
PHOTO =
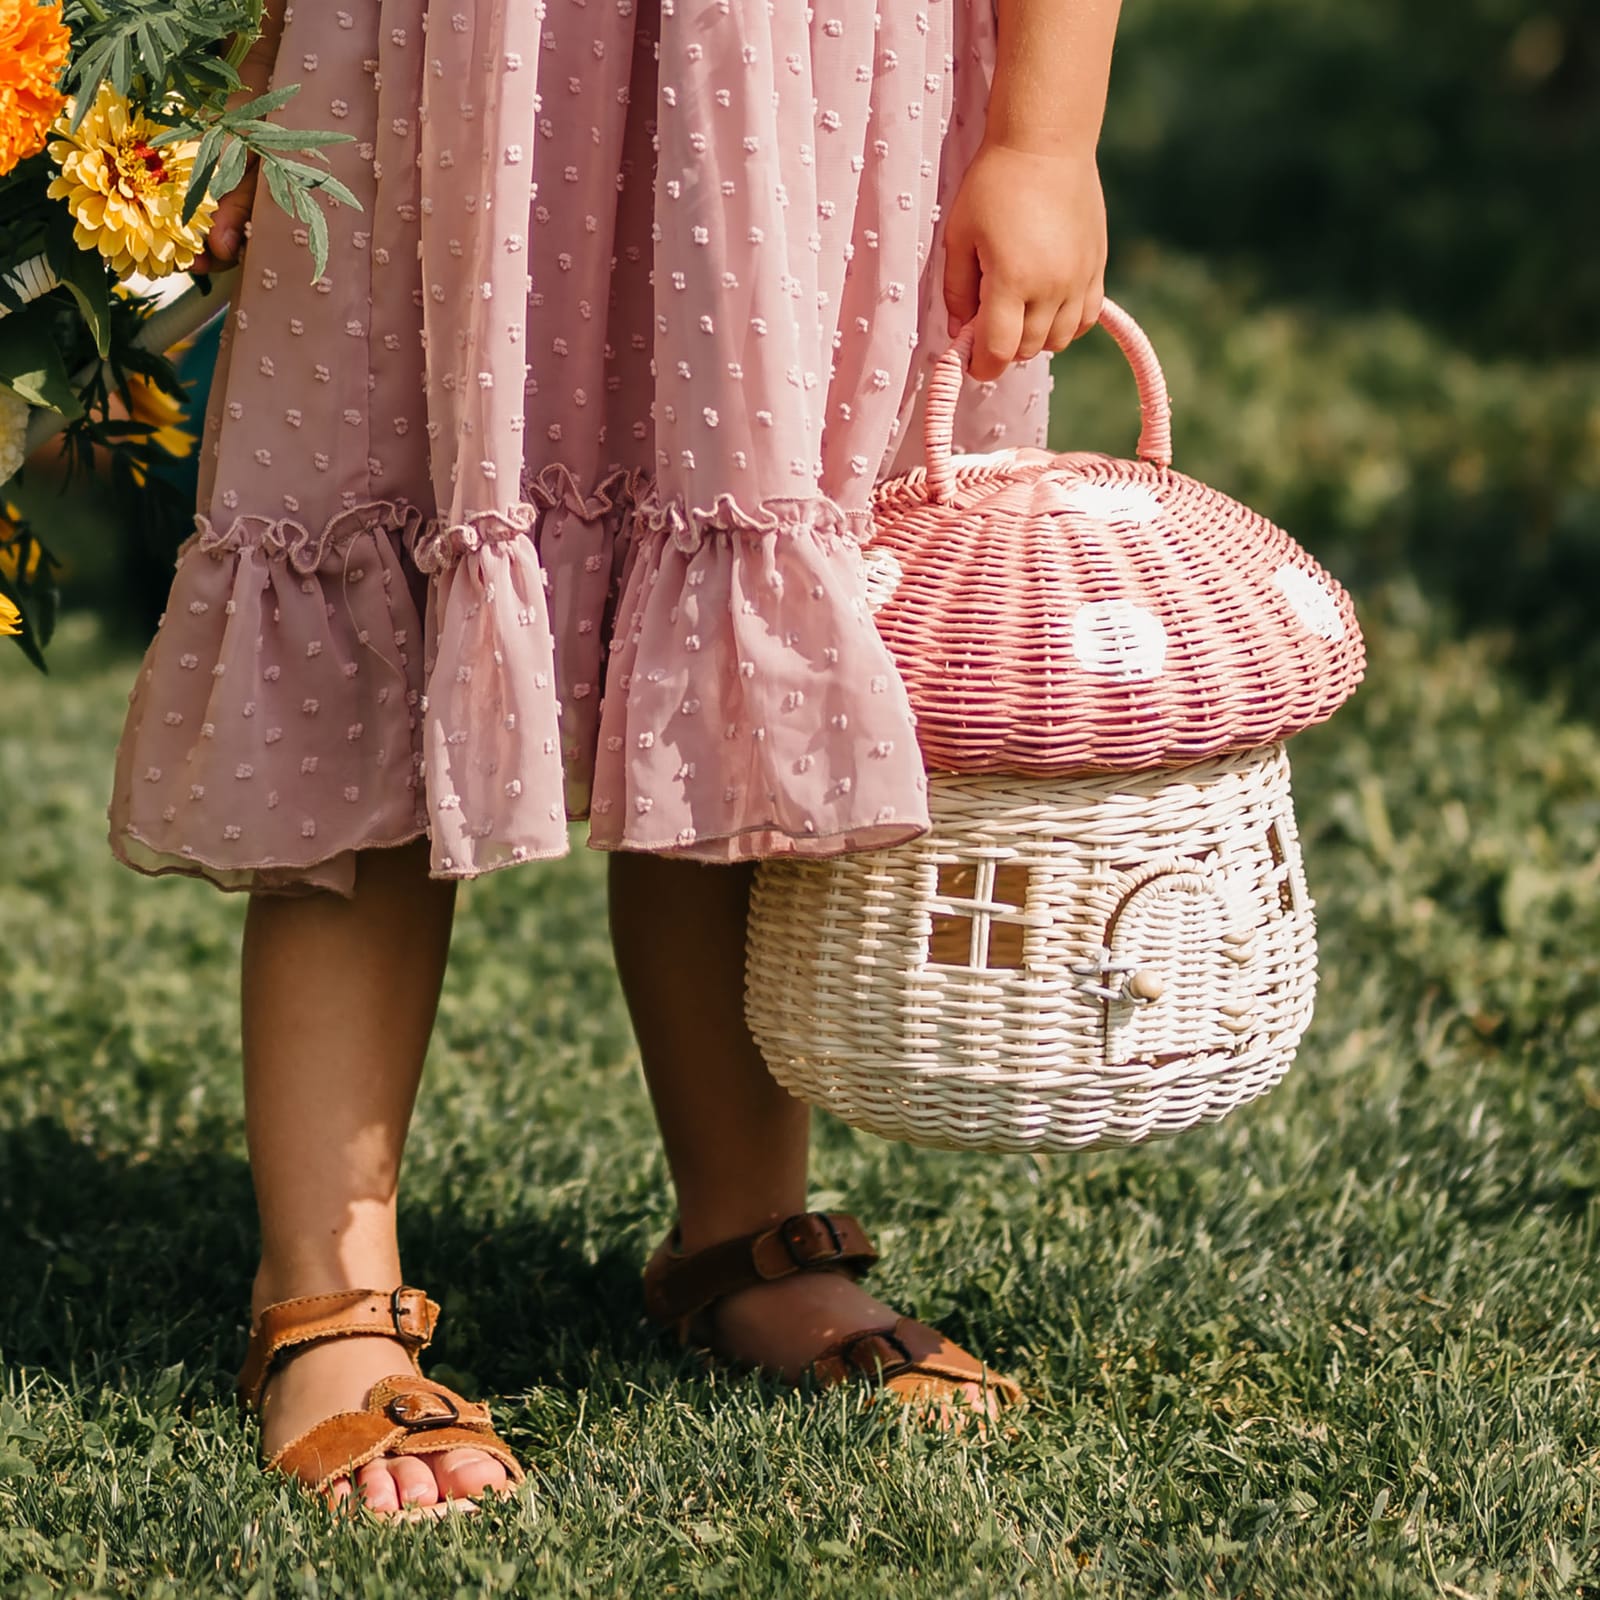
[(997, 335), (962, 274), (1076, 317), (1066, 327), (1092, 302), (227, 235), (1037, 325)]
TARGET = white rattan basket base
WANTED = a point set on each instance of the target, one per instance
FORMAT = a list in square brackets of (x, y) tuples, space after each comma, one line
[(1056, 965)]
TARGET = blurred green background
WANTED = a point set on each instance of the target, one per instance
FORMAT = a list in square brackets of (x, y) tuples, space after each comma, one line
[(1365, 235)]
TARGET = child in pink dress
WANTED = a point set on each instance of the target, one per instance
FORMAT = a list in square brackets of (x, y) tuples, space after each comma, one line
[(544, 502)]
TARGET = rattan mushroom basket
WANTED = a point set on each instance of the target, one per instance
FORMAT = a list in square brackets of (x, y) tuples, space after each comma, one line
[(1105, 936)]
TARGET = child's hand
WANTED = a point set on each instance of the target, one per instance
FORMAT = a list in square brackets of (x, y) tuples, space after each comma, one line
[(1025, 253), (226, 237)]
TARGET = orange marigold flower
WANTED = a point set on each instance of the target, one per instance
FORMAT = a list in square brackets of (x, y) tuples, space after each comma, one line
[(33, 49)]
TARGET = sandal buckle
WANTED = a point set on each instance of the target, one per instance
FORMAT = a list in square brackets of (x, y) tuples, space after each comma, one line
[(400, 1412), (795, 1233), (402, 1313), (880, 1369)]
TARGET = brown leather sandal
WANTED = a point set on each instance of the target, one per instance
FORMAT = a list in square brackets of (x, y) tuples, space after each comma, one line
[(405, 1415), (909, 1360)]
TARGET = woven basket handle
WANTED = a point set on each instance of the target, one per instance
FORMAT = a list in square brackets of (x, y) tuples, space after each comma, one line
[(944, 389)]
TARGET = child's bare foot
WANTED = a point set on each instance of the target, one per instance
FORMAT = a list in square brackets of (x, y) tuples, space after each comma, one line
[(783, 1326), (336, 1377)]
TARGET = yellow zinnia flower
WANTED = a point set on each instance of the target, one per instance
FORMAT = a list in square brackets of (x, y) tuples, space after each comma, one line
[(12, 565), (10, 617), (12, 541), (166, 417), (33, 48), (126, 192)]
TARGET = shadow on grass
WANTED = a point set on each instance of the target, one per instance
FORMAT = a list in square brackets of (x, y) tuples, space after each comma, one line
[(121, 1264)]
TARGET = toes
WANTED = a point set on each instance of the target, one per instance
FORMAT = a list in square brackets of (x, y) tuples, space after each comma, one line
[(377, 1488), (463, 1474), (956, 1408), (986, 1402), (415, 1481), (968, 1407), (971, 1403)]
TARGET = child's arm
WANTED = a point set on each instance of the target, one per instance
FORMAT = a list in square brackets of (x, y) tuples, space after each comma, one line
[(1026, 237)]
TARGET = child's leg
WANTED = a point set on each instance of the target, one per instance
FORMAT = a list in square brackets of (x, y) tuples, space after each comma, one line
[(339, 999), (736, 1141)]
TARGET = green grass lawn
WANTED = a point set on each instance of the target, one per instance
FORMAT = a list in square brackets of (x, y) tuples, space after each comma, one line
[(1344, 1344)]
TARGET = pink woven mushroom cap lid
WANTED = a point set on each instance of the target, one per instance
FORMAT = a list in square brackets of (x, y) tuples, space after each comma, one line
[(1057, 614)]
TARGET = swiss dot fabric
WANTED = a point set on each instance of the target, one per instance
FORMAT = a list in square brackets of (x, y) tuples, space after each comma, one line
[(546, 499)]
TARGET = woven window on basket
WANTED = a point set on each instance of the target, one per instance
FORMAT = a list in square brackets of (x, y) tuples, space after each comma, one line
[(986, 919)]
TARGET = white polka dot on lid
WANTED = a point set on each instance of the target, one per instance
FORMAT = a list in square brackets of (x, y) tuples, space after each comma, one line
[(990, 460), (1310, 601), (1119, 640), (1118, 505)]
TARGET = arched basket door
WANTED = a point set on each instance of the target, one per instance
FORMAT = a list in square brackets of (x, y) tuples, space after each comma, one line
[(1173, 972)]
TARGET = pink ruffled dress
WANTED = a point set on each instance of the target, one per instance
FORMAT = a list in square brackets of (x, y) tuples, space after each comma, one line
[(545, 500)]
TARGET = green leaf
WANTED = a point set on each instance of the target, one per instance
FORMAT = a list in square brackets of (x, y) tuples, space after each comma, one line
[(122, 67), (317, 229), (177, 130), (90, 73), (84, 273), (206, 80), (21, 188), (31, 364), (205, 165), (304, 177), (263, 105), (271, 136), (326, 183), (307, 139), (230, 169), (279, 186), (171, 35), (150, 52)]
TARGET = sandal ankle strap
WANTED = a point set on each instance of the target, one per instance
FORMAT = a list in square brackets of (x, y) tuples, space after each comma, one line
[(292, 1325), (678, 1286)]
